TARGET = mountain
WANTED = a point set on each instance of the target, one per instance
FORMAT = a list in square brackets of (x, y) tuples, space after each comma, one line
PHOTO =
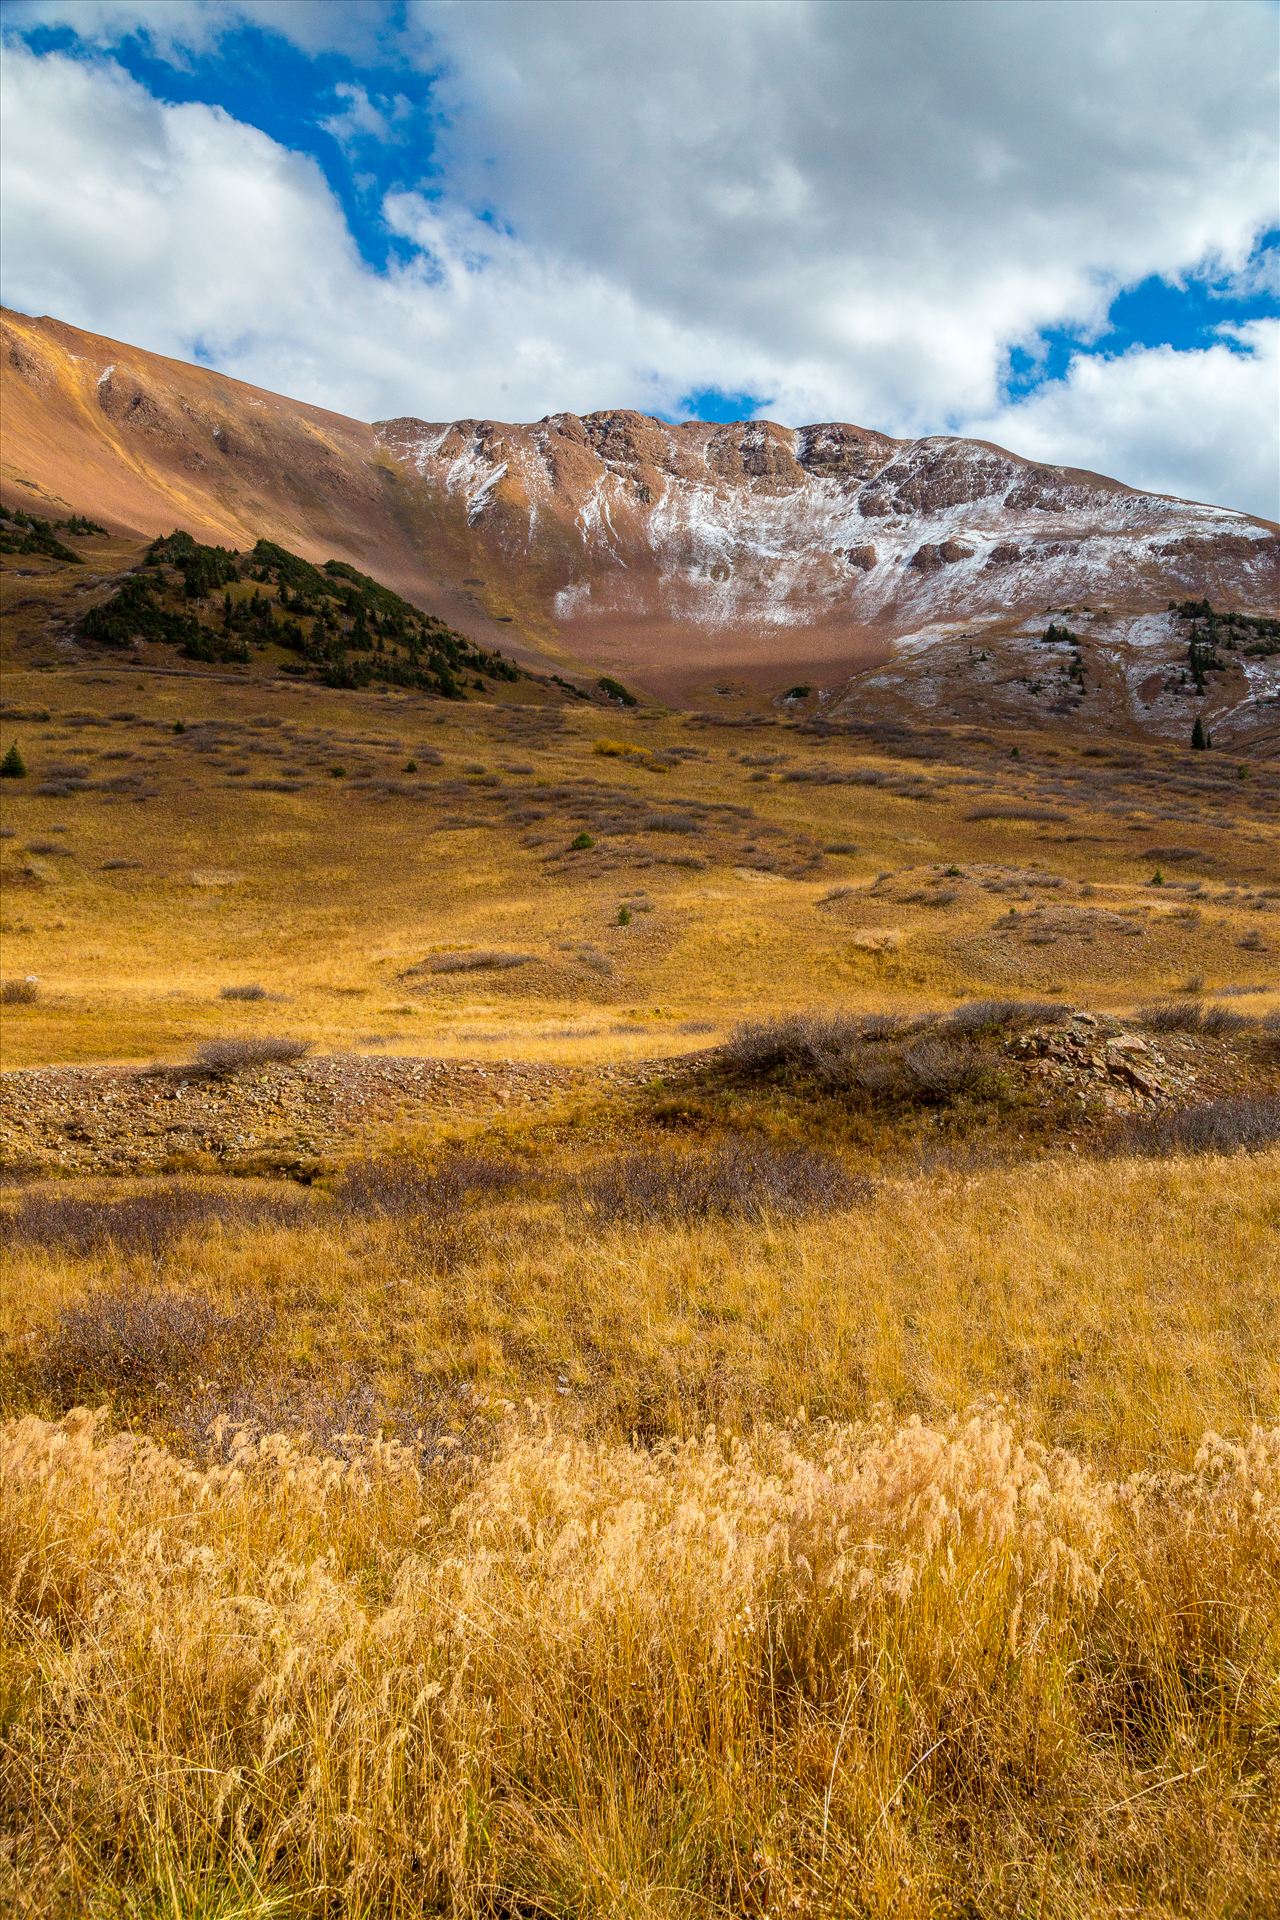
[(688, 557)]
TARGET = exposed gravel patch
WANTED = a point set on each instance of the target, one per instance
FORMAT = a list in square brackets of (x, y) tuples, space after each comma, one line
[(285, 1118)]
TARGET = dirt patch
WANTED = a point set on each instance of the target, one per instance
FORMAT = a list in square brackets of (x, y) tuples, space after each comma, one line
[(282, 1119)]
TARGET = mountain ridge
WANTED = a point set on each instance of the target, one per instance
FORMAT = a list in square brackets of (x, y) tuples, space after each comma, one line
[(676, 553)]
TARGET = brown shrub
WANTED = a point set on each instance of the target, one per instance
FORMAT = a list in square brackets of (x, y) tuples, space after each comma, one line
[(1189, 1016), (996, 1016), (916, 1062), (20, 993), (238, 1055), (395, 1186), (1246, 1123), (146, 1222), (811, 1046), (738, 1179), (936, 1069), (481, 960), (133, 1342)]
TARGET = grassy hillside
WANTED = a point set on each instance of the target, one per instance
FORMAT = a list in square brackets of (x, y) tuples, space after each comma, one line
[(613, 1313)]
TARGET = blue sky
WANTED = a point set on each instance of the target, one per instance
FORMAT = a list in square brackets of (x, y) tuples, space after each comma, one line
[(1044, 223)]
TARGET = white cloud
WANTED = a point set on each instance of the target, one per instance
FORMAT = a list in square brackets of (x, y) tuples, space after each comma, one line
[(362, 118), (853, 210), (164, 225), (1190, 423), (880, 198), (177, 28)]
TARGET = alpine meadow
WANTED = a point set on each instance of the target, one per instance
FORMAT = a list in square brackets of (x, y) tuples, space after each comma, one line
[(640, 1127)]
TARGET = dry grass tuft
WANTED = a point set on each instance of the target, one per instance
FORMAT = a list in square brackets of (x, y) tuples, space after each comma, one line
[(240, 1054), (733, 1180), (1248, 1123), (847, 1669)]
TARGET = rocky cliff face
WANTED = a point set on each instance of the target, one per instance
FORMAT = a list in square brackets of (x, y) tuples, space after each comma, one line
[(678, 554), (752, 529)]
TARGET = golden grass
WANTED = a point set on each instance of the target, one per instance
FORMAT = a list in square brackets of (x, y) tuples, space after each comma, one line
[(329, 894), (1124, 1305), (875, 1669), (882, 1563), (878, 1660)]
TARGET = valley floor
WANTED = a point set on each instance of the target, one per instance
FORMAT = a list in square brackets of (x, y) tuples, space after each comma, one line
[(612, 1314)]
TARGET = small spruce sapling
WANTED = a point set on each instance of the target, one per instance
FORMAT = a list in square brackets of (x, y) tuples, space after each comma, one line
[(13, 766)]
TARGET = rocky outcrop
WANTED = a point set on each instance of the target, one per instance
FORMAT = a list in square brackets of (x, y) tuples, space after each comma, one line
[(672, 553)]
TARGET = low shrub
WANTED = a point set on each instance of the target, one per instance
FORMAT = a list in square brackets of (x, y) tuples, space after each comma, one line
[(133, 1342), (1189, 1016), (927, 1061), (671, 823), (1003, 1016), (738, 1179), (145, 1222), (394, 1186), (243, 993), (20, 993), (811, 1046), (238, 1055), (480, 960), (1245, 1123), (934, 1069), (426, 1203)]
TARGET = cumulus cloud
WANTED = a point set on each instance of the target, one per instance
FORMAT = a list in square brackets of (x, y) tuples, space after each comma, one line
[(172, 225), (882, 197), (855, 212), (1198, 423)]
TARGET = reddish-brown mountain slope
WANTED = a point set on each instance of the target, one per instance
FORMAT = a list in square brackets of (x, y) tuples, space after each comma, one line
[(145, 444), (676, 554)]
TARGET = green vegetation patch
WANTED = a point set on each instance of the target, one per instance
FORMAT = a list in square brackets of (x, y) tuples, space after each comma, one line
[(345, 629), (27, 533)]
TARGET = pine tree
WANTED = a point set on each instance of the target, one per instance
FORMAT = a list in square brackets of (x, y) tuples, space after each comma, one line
[(1199, 738), (13, 766)]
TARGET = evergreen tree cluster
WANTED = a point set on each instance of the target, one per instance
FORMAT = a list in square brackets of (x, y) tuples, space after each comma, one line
[(136, 611), (27, 533), (203, 569), (344, 628), (1254, 636)]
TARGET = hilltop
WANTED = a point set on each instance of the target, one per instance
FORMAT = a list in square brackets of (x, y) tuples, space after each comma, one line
[(723, 563)]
